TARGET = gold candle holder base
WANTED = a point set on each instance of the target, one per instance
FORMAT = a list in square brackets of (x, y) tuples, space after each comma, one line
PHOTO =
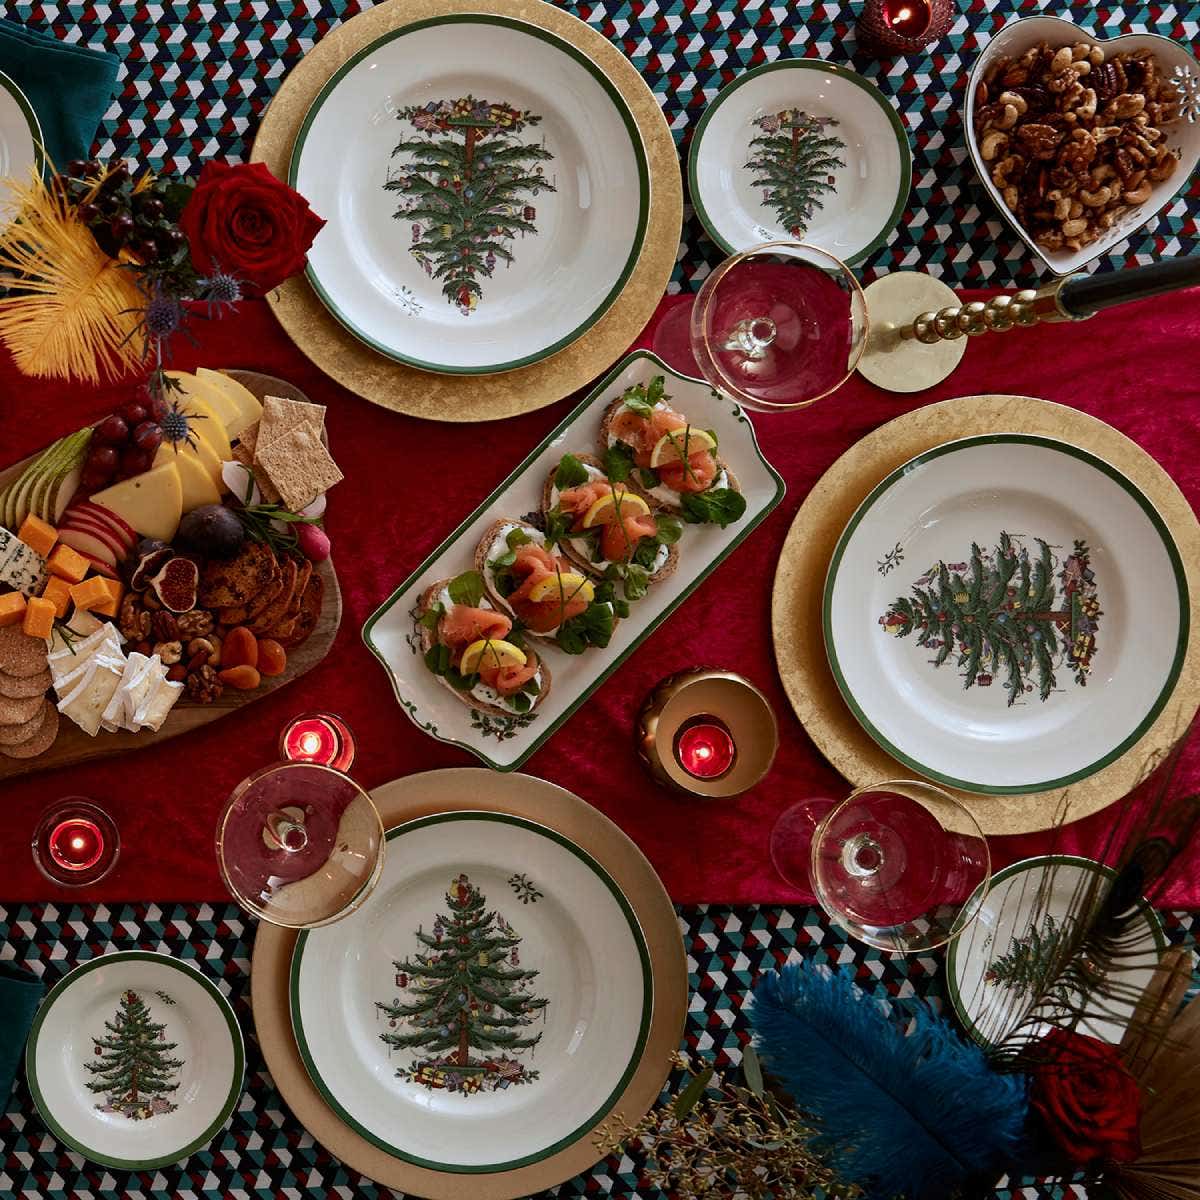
[(736, 704)]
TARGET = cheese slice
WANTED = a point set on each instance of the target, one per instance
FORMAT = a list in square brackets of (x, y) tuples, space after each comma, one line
[(146, 681), (65, 682), (113, 717), (158, 704), (151, 503), (196, 485), (247, 405), (207, 393), (86, 704), (64, 656), (201, 451), (206, 422)]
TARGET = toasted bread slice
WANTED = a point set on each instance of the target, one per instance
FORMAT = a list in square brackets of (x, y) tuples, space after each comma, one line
[(429, 640), (663, 498), (310, 613)]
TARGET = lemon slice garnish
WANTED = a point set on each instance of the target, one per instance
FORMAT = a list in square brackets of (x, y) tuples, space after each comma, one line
[(670, 447), (490, 653), (604, 510), (567, 586)]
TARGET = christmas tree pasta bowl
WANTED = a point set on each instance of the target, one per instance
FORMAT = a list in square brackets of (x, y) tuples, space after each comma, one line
[(486, 1006), (800, 150), (488, 190), (135, 1060), (1006, 614)]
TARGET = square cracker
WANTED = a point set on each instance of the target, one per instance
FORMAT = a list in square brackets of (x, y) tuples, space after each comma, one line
[(299, 466), (279, 417)]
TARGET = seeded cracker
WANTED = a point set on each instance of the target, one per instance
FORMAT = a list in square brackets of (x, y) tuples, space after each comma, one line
[(280, 417), (299, 466)]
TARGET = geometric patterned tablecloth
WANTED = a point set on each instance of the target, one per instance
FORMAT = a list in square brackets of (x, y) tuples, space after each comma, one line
[(263, 1152)]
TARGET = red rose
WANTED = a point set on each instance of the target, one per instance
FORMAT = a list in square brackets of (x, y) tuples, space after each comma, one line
[(1089, 1101), (244, 221)]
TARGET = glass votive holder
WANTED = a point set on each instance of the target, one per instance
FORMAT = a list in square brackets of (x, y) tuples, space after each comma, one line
[(75, 843)]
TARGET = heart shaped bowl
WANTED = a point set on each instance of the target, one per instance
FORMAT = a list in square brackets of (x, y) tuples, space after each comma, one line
[(1183, 136)]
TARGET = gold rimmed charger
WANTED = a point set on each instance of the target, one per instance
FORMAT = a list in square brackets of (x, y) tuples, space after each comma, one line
[(460, 790), (803, 563), (483, 397)]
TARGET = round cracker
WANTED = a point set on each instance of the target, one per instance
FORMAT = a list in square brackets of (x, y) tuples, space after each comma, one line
[(42, 738), (15, 715), (20, 654), (16, 687)]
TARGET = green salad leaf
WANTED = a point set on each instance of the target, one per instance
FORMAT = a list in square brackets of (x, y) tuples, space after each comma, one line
[(467, 589), (718, 506), (571, 473), (618, 462)]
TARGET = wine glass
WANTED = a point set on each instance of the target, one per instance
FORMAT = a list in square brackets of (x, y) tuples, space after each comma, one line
[(893, 864), (775, 327), (300, 844)]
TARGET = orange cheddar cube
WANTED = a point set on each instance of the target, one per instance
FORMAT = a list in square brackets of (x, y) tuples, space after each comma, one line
[(39, 617), (12, 608), (116, 589), (58, 592), (39, 536), (67, 564), (88, 594)]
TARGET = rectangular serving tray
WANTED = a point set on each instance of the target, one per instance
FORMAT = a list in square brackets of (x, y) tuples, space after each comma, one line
[(505, 743)]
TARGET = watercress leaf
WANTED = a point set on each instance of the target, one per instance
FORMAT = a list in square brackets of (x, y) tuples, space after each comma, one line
[(648, 478), (657, 389), (571, 637), (571, 473), (467, 589), (645, 552), (459, 681), (517, 537), (618, 462), (431, 616), (437, 659), (635, 400), (532, 688), (504, 560), (520, 703), (719, 506), (670, 530), (600, 624), (636, 582), (614, 571), (620, 608), (558, 526)]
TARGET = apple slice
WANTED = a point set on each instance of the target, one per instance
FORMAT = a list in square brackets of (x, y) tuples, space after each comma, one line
[(127, 533), (151, 503), (101, 568), (103, 533), (88, 544)]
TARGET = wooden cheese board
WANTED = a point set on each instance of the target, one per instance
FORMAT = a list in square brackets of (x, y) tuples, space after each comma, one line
[(73, 745)]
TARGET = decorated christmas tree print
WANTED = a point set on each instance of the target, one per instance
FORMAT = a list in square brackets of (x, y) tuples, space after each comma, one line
[(1004, 613), (793, 160), (467, 993), (468, 183), (1028, 959), (134, 1067)]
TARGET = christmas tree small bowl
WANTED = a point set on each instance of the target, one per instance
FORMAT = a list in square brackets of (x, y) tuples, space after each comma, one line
[(135, 1060), (800, 150), (1006, 614)]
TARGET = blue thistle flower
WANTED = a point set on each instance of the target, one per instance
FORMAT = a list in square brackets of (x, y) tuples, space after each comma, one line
[(164, 316), (221, 290)]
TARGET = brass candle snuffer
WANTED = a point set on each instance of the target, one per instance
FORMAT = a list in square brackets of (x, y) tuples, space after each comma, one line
[(908, 354)]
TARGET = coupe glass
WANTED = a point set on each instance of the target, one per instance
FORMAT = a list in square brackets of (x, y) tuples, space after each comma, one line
[(893, 864), (300, 844), (776, 327)]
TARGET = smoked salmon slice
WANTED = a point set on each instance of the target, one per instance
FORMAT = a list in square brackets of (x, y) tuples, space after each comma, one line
[(510, 680), (642, 434), (619, 540), (463, 625), (537, 564)]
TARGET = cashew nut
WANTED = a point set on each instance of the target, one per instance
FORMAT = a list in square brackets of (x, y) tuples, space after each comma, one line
[(1011, 197), (1095, 56), (1076, 210), (1140, 196), (1096, 199), (1074, 228), (1061, 61), (1007, 118), (993, 144), (1062, 204), (1086, 108), (1015, 99), (1165, 168)]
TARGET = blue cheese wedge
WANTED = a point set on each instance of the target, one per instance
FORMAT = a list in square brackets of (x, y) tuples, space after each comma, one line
[(21, 566)]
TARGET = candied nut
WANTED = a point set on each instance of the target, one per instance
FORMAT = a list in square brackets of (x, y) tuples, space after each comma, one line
[(1011, 197), (1061, 61), (1165, 168), (151, 601), (1062, 204), (1006, 118), (1005, 169), (164, 627), (995, 142), (177, 673), (201, 645), (1102, 173), (133, 620), (1063, 83), (1074, 228), (1082, 68), (1080, 51), (1105, 133), (1140, 196), (1076, 209), (1016, 100), (981, 93), (169, 652), (1086, 108), (1097, 199), (1126, 105), (203, 686), (1052, 239), (1015, 76), (196, 623), (1095, 56), (1041, 141)]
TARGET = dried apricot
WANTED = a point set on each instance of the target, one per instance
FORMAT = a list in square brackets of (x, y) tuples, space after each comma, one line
[(240, 648), (243, 677), (272, 657)]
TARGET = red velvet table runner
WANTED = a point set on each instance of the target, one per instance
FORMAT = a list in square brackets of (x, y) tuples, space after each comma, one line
[(410, 481)]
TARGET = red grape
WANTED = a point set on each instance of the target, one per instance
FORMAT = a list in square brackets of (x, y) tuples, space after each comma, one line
[(103, 458), (134, 412), (134, 461), (112, 431), (147, 436), (158, 408), (93, 478)]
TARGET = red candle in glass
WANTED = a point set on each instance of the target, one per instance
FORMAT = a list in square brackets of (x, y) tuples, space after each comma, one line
[(75, 843), (704, 748), (903, 26), (318, 738), (909, 18)]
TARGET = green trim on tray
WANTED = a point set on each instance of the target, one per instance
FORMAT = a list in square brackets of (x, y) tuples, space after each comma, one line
[(235, 1033), (1017, 868), (639, 153), (1160, 527), (596, 393), (610, 1101), (31, 119), (809, 64)]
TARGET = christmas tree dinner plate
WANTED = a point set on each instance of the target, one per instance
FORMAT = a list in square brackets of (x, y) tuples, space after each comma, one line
[(800, 150), (487, 1004), (20, 138), (1006, 614), (135, 1060), (486, 190), (1011, 942)]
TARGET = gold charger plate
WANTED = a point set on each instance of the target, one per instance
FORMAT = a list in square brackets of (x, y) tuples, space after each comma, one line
[(803, 563), (405, 389), (524, 796)]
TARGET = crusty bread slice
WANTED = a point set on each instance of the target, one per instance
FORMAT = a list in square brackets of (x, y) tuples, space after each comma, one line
[(429, 640)]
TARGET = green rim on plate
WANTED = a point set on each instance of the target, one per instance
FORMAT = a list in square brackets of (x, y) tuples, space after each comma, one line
[(598, 391), (1152, 516), (805, 64), (235, 1087), (639, 152), (1017, 868), (31, 119), (643, 1028)]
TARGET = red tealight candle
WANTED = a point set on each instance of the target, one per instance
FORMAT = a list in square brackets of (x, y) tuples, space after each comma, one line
[(909, 18), (704, 748), (318, 738), (887, 27), (76, 843)]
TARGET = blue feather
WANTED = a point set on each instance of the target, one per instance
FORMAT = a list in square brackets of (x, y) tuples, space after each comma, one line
[(898, 1115)]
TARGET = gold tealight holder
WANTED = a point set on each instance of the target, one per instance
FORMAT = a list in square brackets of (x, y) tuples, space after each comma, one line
[(707, 732)]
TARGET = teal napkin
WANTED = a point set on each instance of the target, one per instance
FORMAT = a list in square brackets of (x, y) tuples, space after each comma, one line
[(68, 86), (20, 994)]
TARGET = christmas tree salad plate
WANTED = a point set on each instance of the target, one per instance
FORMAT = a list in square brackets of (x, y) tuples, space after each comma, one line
[(1016, 932), (800, 150), (20, 138), (135, 1060), (488, 1003), (410, 633), (486, 188), (1006, 614)]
